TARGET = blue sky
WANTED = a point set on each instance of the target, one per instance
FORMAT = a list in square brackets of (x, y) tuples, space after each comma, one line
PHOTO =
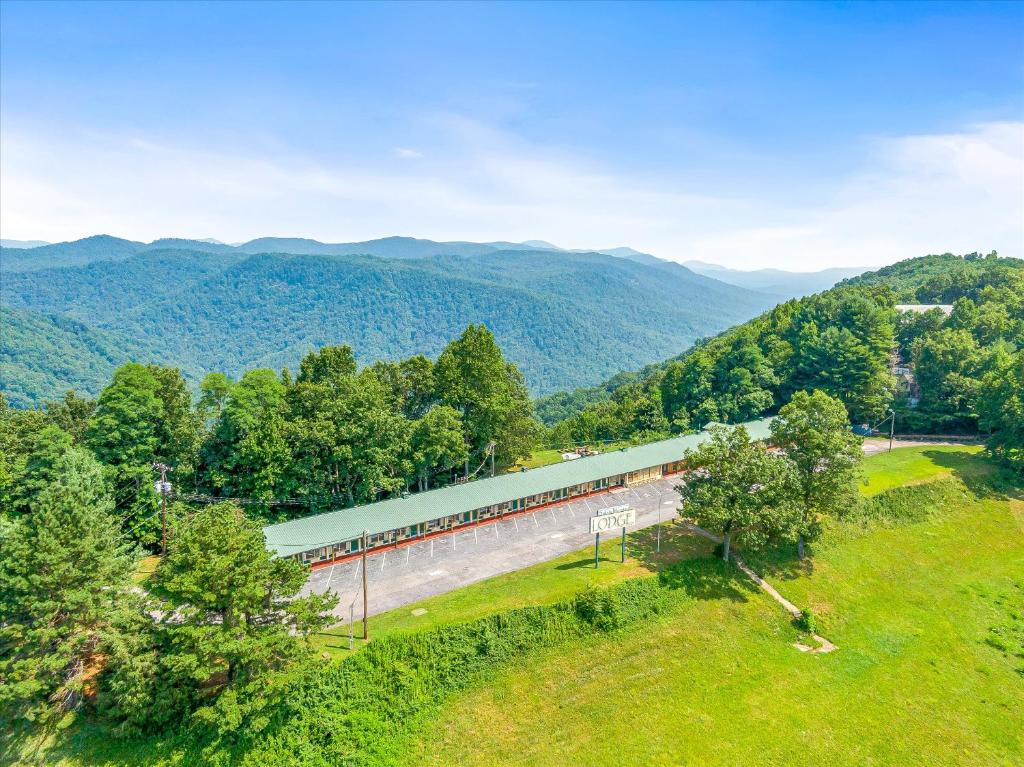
[(796, 135)]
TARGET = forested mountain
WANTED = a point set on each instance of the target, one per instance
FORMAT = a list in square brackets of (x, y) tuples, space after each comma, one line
[(565, 319), (15, 255), (936, 279), (44, 355), (776, 282), (850, 342)]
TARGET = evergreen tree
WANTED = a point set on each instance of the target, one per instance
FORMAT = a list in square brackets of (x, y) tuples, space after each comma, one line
[(40, 467), (64, 580), (230, 621)]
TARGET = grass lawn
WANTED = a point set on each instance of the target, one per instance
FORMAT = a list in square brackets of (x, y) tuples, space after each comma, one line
[(543, 583), (559, 578), (915, 610), (911, 465)]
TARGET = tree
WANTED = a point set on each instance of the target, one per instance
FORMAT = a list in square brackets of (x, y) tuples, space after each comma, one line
[(437, 443), (124, 428), (736, 487), (473, 377), (214, 392), (348, 439), (1001, 408), (72, 414), (40, 467), (947, 367), (327, 365), (179, 426), (19, 432), (248, 453), (64, 578), (814, 430), (230, 621)]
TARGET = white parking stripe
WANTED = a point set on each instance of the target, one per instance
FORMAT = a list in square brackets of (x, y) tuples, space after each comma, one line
[(383, 560)]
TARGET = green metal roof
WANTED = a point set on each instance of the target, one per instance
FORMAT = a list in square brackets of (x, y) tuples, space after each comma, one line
[(332, 527)]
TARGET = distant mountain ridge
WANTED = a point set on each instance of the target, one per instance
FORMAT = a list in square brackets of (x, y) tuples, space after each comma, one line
[(778, 282), (569, 320), (29, 256)]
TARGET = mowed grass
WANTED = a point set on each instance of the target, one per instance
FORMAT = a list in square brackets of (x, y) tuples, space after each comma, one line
[(539, 584), (550, 581), (912, 465), (916, 678)]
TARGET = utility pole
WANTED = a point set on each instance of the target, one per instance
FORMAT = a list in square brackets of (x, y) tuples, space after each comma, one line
[(366, 599), (892, 427), (163, 487), (491, 448)]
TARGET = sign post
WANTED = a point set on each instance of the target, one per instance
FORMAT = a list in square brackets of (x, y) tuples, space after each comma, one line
[(607, 520)]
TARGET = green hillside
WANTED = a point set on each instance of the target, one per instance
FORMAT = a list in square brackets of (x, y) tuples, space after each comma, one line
[(565, 319), (43, 356), (933, 279), (841, 341)]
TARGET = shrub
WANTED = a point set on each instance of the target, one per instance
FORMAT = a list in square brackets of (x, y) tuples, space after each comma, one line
[(806, 621)]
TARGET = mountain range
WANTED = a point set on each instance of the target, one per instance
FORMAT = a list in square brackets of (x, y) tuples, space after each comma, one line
[(74, 311), (777, 282)]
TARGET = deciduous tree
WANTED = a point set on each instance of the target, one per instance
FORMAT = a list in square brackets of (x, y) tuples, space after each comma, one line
[(814, 430), (736, 487)]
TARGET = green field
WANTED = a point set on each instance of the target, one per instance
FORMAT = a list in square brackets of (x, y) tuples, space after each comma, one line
[(539, 584), (928, 618), (918, 612), (911, 465)]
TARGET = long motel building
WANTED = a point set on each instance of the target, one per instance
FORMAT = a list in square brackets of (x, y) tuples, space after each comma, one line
[(322, 539)]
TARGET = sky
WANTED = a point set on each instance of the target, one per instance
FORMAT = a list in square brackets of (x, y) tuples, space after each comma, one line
[(792, 135)]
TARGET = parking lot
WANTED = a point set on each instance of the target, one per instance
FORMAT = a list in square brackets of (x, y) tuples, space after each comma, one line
[(448, 562)]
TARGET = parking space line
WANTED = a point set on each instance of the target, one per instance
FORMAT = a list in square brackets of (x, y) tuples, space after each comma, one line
[(408, 551), (516, 523), (383, 560), (476, 535), (431, 547)]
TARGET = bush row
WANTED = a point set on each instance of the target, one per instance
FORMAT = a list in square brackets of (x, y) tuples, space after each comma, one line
[(364, 710)]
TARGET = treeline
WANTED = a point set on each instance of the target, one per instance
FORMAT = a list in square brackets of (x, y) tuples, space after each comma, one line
[(329, 436), (846, 342)]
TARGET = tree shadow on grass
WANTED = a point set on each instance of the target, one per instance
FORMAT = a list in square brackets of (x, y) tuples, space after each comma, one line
[(708, 578), (979, 473), (781, 561)]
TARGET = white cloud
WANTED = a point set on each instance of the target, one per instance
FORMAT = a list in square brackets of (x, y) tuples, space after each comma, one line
[(407, 153), (916, 194)]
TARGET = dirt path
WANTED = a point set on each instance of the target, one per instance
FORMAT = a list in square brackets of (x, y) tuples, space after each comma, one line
[(823, 644)]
